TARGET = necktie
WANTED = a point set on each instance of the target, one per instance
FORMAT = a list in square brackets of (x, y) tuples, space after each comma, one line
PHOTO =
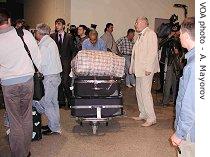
[(60, 41)]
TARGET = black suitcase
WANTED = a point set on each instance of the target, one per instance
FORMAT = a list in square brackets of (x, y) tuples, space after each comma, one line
[(87, 108), (96, 86), (37, 134)]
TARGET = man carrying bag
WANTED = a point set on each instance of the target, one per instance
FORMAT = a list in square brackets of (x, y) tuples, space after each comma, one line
[(16, 74)]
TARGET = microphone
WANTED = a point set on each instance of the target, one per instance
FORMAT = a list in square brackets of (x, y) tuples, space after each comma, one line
[(180, 5)]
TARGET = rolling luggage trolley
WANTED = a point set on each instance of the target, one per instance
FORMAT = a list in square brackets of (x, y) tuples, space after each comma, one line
[(96, 100), (95, 120)]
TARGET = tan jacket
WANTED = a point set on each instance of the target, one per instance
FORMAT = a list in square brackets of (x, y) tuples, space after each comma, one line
[(145, 54)]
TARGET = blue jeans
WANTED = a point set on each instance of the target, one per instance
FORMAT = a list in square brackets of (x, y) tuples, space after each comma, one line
[(49, 103), (129, 79)]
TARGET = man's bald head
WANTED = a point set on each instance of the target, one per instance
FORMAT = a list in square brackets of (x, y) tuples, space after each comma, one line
[(141, 23)]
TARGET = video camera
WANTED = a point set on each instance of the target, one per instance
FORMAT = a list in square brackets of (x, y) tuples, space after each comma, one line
[(166, 28)]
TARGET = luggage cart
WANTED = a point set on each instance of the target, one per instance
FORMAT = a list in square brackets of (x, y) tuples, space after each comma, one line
[(95, 120)]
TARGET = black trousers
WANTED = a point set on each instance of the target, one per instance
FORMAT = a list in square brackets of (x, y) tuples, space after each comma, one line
[(162, 67), (64, 92)]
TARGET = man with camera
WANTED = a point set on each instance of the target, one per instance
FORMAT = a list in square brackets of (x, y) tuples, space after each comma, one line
[(172, 50)]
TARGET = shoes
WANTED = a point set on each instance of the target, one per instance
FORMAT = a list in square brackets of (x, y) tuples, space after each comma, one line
[(138, 118), (8, 132), (45, 127), (129, 86), (134, 85), (147, 123), (49, 132)]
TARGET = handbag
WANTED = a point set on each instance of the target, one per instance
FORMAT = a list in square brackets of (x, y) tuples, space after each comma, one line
[(38, 77)]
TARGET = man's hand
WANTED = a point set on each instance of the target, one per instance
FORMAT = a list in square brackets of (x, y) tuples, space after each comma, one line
[(147, 73), (175, 140), (130, 70)]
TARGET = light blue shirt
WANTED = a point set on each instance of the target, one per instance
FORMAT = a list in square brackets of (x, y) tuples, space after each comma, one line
[(100, 45), (185, 103)]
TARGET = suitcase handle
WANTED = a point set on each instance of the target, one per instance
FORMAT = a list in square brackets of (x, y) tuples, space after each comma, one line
[(96, 88)]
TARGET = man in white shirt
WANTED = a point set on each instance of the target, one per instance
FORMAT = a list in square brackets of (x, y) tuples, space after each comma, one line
[(16, 74), (51, 69)]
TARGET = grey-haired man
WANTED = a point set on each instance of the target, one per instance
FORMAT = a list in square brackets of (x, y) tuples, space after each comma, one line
[(51, 69)]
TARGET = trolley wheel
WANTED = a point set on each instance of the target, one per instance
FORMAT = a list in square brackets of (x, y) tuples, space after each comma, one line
[(81, 124), (107, 123), (94, 127)]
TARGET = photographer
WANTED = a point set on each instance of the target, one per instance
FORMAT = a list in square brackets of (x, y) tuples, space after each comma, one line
[(172, 53)]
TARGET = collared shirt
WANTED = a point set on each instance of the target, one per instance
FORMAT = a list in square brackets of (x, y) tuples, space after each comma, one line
[(185, 103), (144, 30), (100, 45), (50, 60), (62, 36), (109, 40), (125, 46)]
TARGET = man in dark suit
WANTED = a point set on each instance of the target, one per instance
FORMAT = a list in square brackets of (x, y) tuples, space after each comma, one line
[(66, 48)]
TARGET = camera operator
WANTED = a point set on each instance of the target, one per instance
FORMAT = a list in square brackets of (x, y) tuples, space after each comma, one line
[(172, 55)]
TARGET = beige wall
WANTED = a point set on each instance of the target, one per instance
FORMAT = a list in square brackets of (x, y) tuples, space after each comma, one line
[(122, 13), (38, 11)]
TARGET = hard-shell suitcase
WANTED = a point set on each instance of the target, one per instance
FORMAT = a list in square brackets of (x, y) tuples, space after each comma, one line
[(88, 108), (96, 86), (37, 134)]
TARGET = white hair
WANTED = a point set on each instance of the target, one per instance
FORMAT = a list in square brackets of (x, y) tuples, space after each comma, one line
[(144, 19), (43, 29)]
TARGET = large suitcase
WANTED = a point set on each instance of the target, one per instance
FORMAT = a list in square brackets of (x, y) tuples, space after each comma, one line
[(87, 108), (96, 86), (37, 134)]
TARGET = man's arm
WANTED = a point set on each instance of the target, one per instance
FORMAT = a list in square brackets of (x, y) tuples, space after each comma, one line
[(84, 45), (103, 45), (131, 68), (151, 51), (186, 118)]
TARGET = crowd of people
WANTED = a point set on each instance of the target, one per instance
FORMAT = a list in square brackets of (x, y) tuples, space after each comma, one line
[(52, 55)]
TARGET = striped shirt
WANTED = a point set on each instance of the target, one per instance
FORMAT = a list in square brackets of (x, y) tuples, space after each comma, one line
[(125, 46)]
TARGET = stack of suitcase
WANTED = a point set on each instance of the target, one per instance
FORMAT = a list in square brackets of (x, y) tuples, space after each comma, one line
[(94, 91)]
